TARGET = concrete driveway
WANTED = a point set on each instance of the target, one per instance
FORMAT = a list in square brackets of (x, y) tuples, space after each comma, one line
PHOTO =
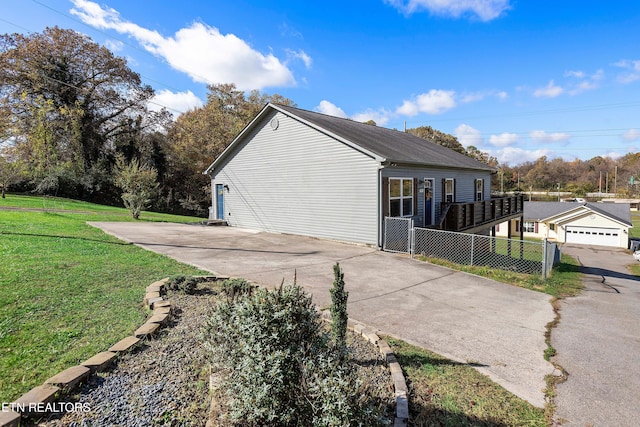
[(467, 318), (598, 342)]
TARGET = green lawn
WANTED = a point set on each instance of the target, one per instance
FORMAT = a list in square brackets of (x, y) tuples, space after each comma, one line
[(635, 219), (565, 278), (67, 290), (448, 393)]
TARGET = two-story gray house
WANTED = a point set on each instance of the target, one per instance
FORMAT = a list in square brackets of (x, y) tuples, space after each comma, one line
[(301, 172)]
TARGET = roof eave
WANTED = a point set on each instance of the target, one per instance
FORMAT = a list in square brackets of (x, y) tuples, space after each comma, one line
[(394, 163)]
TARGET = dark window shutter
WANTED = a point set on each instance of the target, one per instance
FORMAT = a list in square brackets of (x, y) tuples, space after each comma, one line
[(444, 190), (455, 187), (535, 227), (415, 196), (497, 227), (385, 197), (517, 226)]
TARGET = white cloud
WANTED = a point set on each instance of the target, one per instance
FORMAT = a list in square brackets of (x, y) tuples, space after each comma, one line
[(542, 136), (614, 155), (467, 135), (326, 107), (514, 155), (381, 117), (114, 45), (576, 74), (179, 102), (631, 135), (633, 70), (485, 10), (300, 54), (479, 96), (586, 82), (200, 51), (503, 140), (435, 101), (549, 91)]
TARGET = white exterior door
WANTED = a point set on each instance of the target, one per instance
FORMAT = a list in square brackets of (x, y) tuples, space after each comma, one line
[(593, 236)]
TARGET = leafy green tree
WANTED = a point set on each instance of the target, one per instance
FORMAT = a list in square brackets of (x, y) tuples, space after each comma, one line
[(66, 102), (441, 138), (138, 184), (199, 136), (11, 171)]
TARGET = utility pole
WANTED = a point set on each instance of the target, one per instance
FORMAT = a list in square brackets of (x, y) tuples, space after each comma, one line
[(600, 185), (615, 180), (558, 191)]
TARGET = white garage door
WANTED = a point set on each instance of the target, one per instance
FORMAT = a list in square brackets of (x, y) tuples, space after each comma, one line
[(593, 236)]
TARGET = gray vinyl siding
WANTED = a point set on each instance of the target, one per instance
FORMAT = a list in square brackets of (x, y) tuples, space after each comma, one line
[(465, 185), (298, 180)]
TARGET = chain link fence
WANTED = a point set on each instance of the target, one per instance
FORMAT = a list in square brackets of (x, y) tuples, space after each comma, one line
[(470, 249), (397, 235)]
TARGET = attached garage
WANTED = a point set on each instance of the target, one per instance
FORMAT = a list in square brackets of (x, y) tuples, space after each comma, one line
[(593, 236)]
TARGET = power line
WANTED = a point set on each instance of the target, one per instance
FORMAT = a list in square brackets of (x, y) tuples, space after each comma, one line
[(76, 87)]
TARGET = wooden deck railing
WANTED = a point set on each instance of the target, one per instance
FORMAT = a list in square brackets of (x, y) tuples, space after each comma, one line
[(468, 215)]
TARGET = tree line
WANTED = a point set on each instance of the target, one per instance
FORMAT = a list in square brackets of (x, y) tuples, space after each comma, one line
[(75, 122)]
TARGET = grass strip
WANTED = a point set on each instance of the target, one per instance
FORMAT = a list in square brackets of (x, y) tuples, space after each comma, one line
[(447, 393), (68, 290), (565, 279)]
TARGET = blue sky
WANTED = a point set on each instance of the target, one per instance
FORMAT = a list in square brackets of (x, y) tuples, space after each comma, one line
[(517, 78)]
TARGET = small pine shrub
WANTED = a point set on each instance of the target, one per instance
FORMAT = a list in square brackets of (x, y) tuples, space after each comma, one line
[(339, 316)]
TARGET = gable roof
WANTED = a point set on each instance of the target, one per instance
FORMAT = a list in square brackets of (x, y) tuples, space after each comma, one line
[(540, 211), (386, 145)]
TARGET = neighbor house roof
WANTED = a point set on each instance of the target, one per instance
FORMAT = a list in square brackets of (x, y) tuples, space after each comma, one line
[(539, 211), (387, 145)]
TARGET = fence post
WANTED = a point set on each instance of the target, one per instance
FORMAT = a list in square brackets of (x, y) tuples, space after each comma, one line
[(412, 235), (544, 259), (473, 238)]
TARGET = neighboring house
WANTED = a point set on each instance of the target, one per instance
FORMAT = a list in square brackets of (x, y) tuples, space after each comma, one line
[(633, 203), (601, 224), (301, 172)]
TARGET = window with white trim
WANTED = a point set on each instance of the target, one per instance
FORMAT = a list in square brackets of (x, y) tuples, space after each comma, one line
[(479, 190), (529, 226), (448, 190), (400, 196)]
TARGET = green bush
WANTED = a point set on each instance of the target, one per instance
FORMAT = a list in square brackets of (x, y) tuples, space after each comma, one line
[(281, 370), (188, 285), (236, 287)]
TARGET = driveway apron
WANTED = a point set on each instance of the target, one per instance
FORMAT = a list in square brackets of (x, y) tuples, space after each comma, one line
[(496, 327), (598, 342)]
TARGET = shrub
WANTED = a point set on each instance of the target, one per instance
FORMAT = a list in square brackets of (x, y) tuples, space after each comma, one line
[(280, 367), (339, 316), (236, 287), (188, 285)]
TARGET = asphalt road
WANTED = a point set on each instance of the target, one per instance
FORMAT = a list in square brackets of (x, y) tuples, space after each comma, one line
[(495, 327), (598, 343)]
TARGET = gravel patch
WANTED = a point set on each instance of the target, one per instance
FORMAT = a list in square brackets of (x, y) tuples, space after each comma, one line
[(165, 381)]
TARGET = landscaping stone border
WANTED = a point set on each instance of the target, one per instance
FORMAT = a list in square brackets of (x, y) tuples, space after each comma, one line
[(397, 377), (40, 399)]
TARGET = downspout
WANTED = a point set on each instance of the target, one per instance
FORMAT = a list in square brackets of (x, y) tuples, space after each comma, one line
[(379, 215)]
